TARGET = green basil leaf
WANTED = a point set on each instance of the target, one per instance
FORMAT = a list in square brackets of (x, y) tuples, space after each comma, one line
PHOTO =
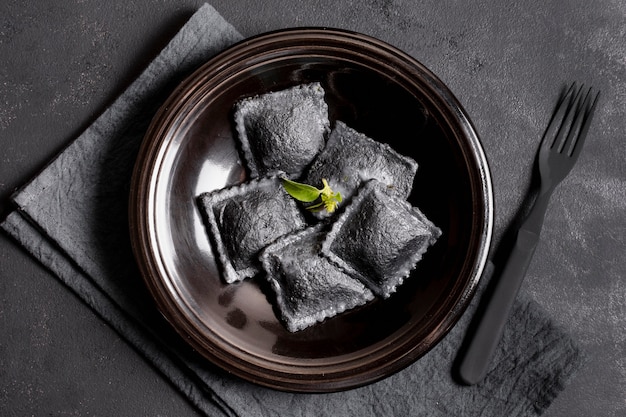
[(301, 192)]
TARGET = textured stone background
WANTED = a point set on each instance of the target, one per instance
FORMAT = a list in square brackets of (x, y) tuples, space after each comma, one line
[(63, 62)]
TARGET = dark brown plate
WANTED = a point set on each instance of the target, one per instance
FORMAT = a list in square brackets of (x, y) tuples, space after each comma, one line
[(190, 148)]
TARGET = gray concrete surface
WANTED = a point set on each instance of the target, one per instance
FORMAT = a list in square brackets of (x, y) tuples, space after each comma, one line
[(63, 62)]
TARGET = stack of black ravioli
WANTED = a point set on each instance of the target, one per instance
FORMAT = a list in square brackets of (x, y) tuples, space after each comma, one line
[(322, 265)]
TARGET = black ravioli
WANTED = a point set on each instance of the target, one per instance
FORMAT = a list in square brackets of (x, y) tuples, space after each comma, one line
[(282, 130), (379, 238), (308, 287), (350, 158), (244, 219)]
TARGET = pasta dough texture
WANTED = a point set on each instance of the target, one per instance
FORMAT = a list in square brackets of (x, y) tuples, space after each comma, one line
[(308, 287), (245, 218), (282, 130)]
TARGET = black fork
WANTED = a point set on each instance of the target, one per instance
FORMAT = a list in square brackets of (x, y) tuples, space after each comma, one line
[(558, 152)]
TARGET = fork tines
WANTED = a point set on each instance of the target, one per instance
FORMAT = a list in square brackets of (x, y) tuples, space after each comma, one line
[(571, 127)]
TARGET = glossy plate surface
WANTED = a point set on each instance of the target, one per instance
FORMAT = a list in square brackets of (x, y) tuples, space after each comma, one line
[(190, 148)]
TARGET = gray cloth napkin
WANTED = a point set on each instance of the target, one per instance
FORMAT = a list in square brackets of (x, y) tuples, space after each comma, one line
[(73, 218)]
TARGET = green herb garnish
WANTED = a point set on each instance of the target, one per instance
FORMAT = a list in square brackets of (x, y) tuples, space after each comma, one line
[(324, 198)]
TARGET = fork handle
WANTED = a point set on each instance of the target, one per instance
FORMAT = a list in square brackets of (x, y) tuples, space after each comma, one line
[(475, 362)]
